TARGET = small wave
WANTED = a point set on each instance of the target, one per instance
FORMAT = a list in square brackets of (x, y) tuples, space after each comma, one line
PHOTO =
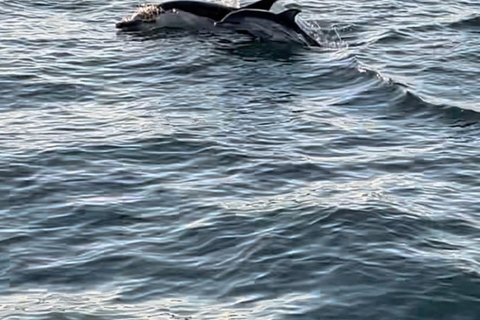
[(390, 36), (410, 101), (393, 36), (428, 107), (41, 5)]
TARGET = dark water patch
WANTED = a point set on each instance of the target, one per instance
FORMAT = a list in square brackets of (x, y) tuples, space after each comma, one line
[(80, 276), (92, 215), (166, 151), (254, 51), (175, 147), (14, 240), (288, 171), (46, 92), (467, 23)]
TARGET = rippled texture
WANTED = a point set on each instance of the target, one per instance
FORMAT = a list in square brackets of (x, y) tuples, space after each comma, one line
[(174, 175)]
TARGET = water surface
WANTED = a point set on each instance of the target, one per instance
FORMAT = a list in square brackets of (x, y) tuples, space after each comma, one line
[(178, 175)]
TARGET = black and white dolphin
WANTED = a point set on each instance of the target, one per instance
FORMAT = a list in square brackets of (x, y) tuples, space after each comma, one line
[(266, 25), (183, 14)]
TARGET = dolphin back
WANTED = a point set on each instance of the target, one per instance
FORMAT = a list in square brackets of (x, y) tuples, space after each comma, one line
[(261, 5)]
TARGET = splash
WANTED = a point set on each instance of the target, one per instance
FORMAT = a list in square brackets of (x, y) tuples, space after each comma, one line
[(329, 39)]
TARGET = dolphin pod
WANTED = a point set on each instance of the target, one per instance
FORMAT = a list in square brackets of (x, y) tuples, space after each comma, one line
[(254, 19)]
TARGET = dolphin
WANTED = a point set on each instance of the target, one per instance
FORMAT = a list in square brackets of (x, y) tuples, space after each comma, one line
[(266, 25), (183, 14)]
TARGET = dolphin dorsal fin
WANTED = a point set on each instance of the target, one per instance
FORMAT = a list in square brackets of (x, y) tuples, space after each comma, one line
[(289, 15), (262, 5)]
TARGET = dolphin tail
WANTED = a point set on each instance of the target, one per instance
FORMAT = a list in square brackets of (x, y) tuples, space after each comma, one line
[(262, 5)]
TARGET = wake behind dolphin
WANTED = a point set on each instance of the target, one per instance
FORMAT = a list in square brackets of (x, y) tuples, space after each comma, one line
[(183, 14)]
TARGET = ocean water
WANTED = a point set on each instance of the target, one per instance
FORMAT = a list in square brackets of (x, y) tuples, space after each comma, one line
[(174, 175)]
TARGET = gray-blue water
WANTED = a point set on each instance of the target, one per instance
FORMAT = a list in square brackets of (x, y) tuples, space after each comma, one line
[(177, 175)]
